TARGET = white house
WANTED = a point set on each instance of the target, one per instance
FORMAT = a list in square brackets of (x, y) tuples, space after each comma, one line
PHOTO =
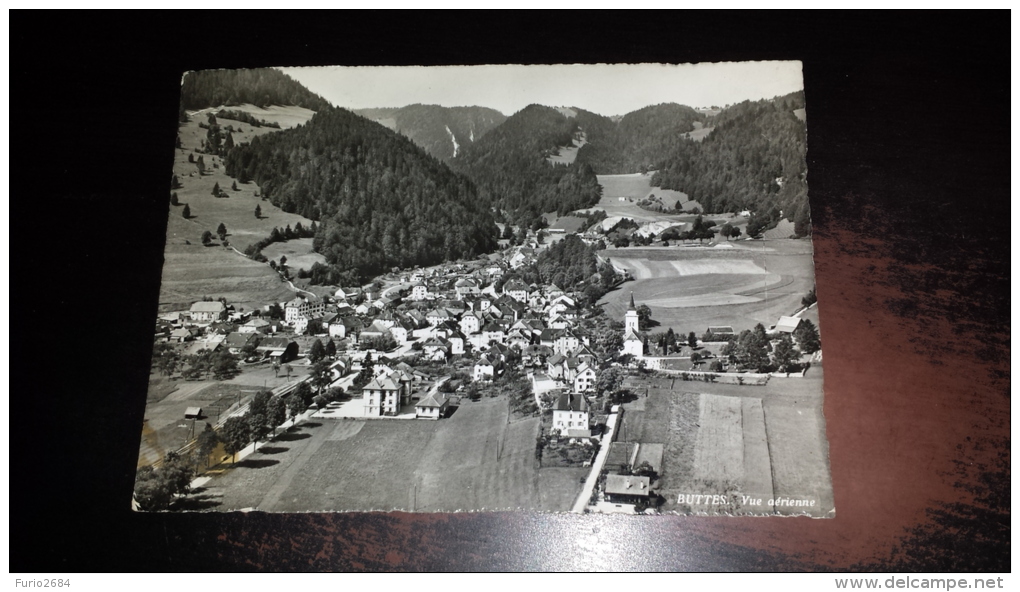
[(208, 312), (570, 413), (381, 397), (517, 290), (470, 322), (419, 291), (432, 406), (584, 380), (484, 369)]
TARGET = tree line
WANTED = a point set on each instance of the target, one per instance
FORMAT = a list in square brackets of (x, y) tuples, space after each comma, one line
[(261, 87)]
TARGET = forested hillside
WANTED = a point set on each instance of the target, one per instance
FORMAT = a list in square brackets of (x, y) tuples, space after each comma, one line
[(261, 87), (754, 159), (444, 132), (510, 168), (638, 142), (380, 200)]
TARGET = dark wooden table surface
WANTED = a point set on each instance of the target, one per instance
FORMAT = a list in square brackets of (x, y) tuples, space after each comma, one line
[(909, 146)]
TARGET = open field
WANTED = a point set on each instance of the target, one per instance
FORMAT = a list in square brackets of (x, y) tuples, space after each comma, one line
[(700, 134), (298, 251), (237, 212), (473, 460), (192, 271), (690, 289), (635, 187), (728, 439), (569, 224)]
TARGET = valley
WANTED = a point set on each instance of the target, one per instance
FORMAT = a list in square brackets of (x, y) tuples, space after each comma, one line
[(425, 321)]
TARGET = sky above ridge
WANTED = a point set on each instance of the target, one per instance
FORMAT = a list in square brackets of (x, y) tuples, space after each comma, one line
[(614, 89)]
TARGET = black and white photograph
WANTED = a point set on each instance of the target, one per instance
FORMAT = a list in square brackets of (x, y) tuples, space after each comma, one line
[(561, 288)]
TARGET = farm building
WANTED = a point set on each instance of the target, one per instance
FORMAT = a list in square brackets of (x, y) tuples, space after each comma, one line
[(627, 489), (278, 348), (786, 325), (720, 330)]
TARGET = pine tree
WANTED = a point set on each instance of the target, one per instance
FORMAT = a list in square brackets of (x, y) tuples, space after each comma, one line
[(173, 199), (186, 213), (221, 230), (216, 189), (234, 186), (258, 212)]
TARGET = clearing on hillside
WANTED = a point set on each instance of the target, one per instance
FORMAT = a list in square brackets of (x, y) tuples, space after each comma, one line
[(568, 154), (298, 251)]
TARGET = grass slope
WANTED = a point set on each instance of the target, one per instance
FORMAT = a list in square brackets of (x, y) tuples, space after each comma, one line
[(192, 271)]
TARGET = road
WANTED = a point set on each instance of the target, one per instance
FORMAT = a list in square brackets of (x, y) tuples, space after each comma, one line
[(596, 467)]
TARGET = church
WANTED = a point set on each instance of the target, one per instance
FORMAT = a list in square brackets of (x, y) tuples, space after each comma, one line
[(632, 342)]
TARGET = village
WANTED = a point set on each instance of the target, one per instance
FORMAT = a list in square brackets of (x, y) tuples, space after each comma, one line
[(422, 344)]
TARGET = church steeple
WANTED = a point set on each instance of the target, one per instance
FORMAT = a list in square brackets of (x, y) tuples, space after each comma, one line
[(630, 320)]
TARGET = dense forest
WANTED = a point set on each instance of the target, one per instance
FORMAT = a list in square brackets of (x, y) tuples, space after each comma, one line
[(509, 166), (444, 132), (754, 159), (380, 201), (638, 141), (261, 87)]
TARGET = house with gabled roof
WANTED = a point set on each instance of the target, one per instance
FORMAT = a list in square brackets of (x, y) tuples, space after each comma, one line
[(236, 341), (471, 322), (402, 331), (570, 412), (436, 316), (567, 342), (584, 379), (518, 338), (517, 290), (377, 330), (344, 327), (555, 366), (486, 369), (436, 348), (493, 332), (466, 287)]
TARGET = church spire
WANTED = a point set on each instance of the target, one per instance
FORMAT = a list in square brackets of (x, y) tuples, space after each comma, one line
[(632, 307)]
